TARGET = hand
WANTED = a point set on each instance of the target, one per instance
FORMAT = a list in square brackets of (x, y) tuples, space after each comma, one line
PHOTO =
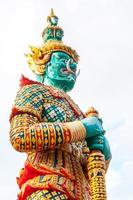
[(93, 126), (100, 143)]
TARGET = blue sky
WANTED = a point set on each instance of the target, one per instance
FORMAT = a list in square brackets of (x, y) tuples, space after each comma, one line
[(102, 33)]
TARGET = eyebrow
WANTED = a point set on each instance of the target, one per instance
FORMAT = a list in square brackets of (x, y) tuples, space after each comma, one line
[(64, 59), (63, 55)]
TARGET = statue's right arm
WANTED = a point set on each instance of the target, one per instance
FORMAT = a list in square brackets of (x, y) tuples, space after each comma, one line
[(28, 132)]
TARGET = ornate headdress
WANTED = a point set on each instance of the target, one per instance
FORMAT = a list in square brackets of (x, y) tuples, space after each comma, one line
[(52, 36)]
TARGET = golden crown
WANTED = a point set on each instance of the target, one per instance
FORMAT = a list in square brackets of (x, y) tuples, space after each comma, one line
[(52, 36)]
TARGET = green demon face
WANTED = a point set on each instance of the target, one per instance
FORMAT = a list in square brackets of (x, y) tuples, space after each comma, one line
[(61, 71)]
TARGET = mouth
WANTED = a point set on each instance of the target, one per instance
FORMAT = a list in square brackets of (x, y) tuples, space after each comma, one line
[(69, 75), (64, 71)]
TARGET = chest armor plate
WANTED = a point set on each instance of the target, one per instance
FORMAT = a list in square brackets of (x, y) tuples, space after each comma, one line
[(57, 110)]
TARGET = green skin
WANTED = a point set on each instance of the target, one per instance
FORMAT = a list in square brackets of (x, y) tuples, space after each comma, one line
[(58, 76), (51, 35)]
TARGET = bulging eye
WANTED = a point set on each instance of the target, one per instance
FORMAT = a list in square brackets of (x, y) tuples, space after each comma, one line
[(73, 66)]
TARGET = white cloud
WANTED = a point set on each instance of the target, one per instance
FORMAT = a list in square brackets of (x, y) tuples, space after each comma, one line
[(113, 179), (127, 170)]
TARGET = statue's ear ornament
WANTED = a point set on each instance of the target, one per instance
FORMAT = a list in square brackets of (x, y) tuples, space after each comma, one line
[(40, 56), (37, 60)]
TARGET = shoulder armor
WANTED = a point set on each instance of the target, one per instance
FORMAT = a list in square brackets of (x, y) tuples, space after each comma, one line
[(30, 99)]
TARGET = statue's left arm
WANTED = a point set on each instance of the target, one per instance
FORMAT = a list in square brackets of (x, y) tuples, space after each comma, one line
[(98, 142)]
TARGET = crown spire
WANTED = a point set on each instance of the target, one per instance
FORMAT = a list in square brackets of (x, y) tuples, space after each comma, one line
[(52, 31), (52, 19), (52, 12)]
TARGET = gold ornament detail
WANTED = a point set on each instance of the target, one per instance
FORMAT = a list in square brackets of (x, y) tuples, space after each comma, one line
[(92, 112), (96, 174), (37, 60), (96, 168), (52, 14)]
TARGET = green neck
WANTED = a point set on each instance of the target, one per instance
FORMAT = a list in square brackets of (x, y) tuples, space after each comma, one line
[(58, 84), (54, 83)]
